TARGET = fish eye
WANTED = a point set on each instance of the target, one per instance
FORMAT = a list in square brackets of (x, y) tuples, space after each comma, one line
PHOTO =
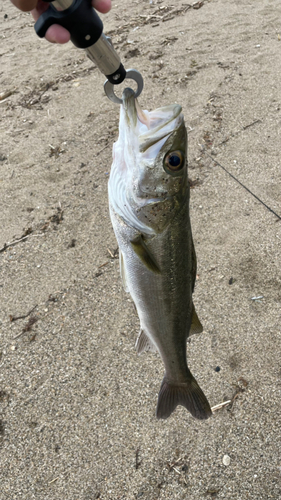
[(174, 161)]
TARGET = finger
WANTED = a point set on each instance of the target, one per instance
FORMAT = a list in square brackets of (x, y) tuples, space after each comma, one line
[(102, 6), (25, 5), (41, 7), (57, 34)]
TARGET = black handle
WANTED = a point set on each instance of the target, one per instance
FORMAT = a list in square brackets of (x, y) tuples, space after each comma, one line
[(80, 19)]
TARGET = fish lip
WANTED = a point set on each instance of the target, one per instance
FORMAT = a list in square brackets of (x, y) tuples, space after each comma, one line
[(129, 107), (136, 119)]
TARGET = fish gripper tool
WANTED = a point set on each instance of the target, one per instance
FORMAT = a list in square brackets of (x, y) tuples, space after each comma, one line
[(86, 32)]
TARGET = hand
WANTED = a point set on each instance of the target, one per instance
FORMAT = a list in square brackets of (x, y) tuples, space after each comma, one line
[(56, 33)]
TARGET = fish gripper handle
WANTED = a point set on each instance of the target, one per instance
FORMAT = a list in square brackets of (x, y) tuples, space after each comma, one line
[(80, 19)]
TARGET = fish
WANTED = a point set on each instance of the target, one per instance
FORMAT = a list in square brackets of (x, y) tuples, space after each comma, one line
[(148, 192)]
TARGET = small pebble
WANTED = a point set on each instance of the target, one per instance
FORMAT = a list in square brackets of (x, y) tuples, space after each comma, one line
[(13, 347), (217, 369), (226, 460)]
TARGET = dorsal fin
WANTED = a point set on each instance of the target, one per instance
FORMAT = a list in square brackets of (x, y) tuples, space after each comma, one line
[(195, 326)]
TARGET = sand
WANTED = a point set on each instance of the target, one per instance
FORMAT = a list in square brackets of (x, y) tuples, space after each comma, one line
[(77, 403)]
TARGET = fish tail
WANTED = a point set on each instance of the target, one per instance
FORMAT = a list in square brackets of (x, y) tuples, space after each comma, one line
[(188, 395)]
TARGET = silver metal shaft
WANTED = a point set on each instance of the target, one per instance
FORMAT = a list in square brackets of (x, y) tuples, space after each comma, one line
[(62, 4), (104, 56)]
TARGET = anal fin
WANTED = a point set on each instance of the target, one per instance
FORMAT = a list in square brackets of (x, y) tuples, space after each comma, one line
[(188, 395), (143, 343)]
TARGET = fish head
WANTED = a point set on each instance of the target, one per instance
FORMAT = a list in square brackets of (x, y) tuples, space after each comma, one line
[(150, 164)]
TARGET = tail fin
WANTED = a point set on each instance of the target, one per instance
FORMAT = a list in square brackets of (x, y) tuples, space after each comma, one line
[(188, 395)]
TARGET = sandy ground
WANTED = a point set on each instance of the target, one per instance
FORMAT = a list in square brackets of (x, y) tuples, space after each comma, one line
[(77, 403)]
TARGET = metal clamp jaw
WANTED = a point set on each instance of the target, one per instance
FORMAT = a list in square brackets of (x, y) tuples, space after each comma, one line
[(86, 32)]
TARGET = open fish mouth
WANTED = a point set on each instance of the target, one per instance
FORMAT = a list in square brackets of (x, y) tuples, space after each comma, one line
[(151, 128)]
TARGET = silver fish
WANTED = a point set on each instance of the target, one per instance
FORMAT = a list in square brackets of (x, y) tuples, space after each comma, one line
[(149, 209)]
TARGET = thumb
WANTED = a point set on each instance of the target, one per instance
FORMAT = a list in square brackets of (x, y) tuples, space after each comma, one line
[(25, 5)]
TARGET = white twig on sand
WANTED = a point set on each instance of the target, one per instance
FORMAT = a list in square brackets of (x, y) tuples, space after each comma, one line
[(221, 405)]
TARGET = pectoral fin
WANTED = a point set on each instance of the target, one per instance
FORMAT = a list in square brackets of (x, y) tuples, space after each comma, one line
[(196, 326), (143, 343), (144, 254)]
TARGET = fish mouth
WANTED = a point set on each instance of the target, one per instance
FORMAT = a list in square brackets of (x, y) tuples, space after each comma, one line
[(151, 128)]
